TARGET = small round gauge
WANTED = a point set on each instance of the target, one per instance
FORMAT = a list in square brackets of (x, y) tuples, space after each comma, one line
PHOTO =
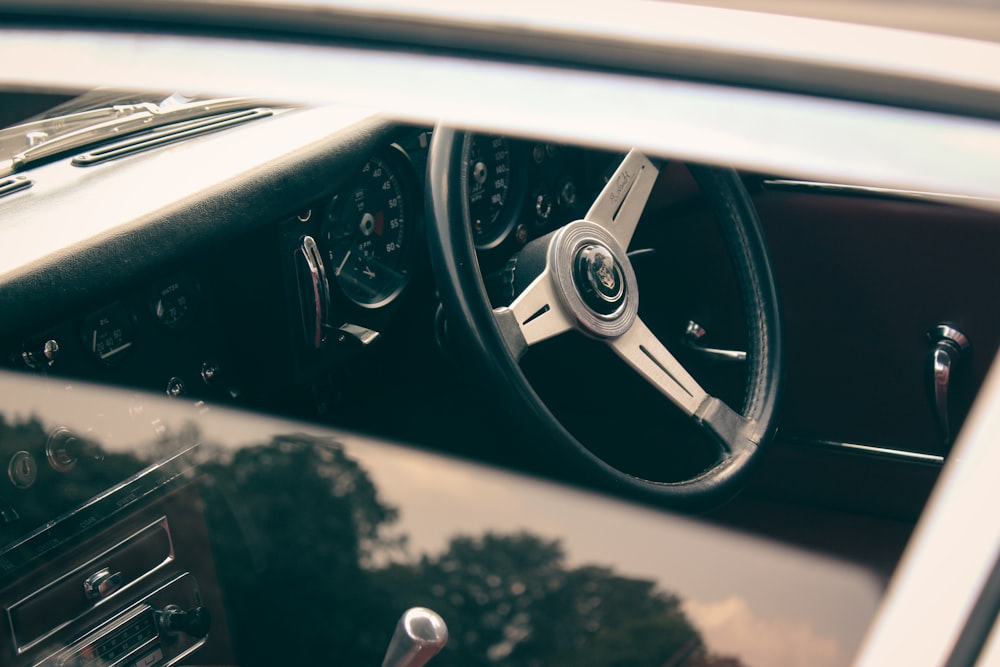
[(491, 202), (172, 302), (366, 233), (108, 333)]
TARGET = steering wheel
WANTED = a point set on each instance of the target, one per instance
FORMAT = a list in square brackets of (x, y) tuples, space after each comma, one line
[(580, 277)]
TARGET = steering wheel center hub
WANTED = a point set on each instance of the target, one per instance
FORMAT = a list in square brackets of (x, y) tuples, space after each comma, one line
[(594, 278), (598, 278)]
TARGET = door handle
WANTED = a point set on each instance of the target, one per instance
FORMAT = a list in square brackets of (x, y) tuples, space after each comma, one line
[(948, 344)]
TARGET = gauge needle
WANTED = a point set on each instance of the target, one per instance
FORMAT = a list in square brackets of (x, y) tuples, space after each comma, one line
[(342, 263), (368, 272)]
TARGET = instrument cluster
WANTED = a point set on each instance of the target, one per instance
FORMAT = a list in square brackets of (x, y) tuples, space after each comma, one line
[(359, 251), (520, 190)]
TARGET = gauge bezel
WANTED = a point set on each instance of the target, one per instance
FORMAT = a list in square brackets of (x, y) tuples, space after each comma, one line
[(191, 291), (126, 317), (515, 188), (403, 173)]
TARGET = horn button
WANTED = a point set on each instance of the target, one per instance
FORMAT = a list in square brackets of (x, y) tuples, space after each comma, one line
[(594, 279), (599, 279)]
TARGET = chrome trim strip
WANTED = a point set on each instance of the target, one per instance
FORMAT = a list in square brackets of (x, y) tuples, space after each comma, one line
[(77, 571), (819, 187), (881, 452)]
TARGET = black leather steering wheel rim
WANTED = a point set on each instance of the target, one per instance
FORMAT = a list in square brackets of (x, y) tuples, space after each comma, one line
[(474, 328)]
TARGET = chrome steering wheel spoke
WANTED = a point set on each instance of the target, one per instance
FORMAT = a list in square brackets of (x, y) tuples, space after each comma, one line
[(620, 204), (645, 354), (535, 315)]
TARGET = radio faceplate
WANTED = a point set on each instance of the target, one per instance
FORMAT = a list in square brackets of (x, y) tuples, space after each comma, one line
[(139, 590), (135, 637), (132, 560)]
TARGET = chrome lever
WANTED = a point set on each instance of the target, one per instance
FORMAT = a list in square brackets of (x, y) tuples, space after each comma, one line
[(314, 291), (948, 344), (419, 635), (692, 340)]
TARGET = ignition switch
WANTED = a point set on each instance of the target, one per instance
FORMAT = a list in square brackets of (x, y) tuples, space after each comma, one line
[(63, 449)]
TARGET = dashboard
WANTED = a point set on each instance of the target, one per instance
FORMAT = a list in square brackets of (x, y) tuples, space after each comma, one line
[(311, 310)]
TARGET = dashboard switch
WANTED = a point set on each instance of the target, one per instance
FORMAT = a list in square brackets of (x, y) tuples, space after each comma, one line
[(175, 387), (356, 335), (41, 356), (210, 372), (194, 622), (102, 583), (63, 449)]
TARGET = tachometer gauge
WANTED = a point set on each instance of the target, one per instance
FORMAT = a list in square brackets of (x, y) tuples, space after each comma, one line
[(366, 233), (492, 208)]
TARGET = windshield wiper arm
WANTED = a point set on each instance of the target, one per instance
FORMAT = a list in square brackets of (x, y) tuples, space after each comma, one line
[(125, 119)]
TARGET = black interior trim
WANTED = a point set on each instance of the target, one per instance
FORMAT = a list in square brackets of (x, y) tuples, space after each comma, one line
[(96, 269)]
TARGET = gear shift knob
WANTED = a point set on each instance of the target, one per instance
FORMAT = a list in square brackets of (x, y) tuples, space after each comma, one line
[(419, 635)]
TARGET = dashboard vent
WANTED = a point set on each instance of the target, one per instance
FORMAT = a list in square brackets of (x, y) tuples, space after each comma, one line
[(168, 135), (11, 185)]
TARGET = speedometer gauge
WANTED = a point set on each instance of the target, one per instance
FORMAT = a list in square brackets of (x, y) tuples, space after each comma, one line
[(491, 202), (366, 233)]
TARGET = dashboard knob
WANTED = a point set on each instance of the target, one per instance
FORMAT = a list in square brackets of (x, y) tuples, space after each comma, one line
[(567, 194), (194, 622), (543, 207), (210, 372), (64, 448), (41, 356), (175, 387), (102, 584)]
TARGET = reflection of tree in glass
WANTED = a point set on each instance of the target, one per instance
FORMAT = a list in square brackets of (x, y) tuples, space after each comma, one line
[(510, 600), (296, 523), (292, 524), (296, 528)]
